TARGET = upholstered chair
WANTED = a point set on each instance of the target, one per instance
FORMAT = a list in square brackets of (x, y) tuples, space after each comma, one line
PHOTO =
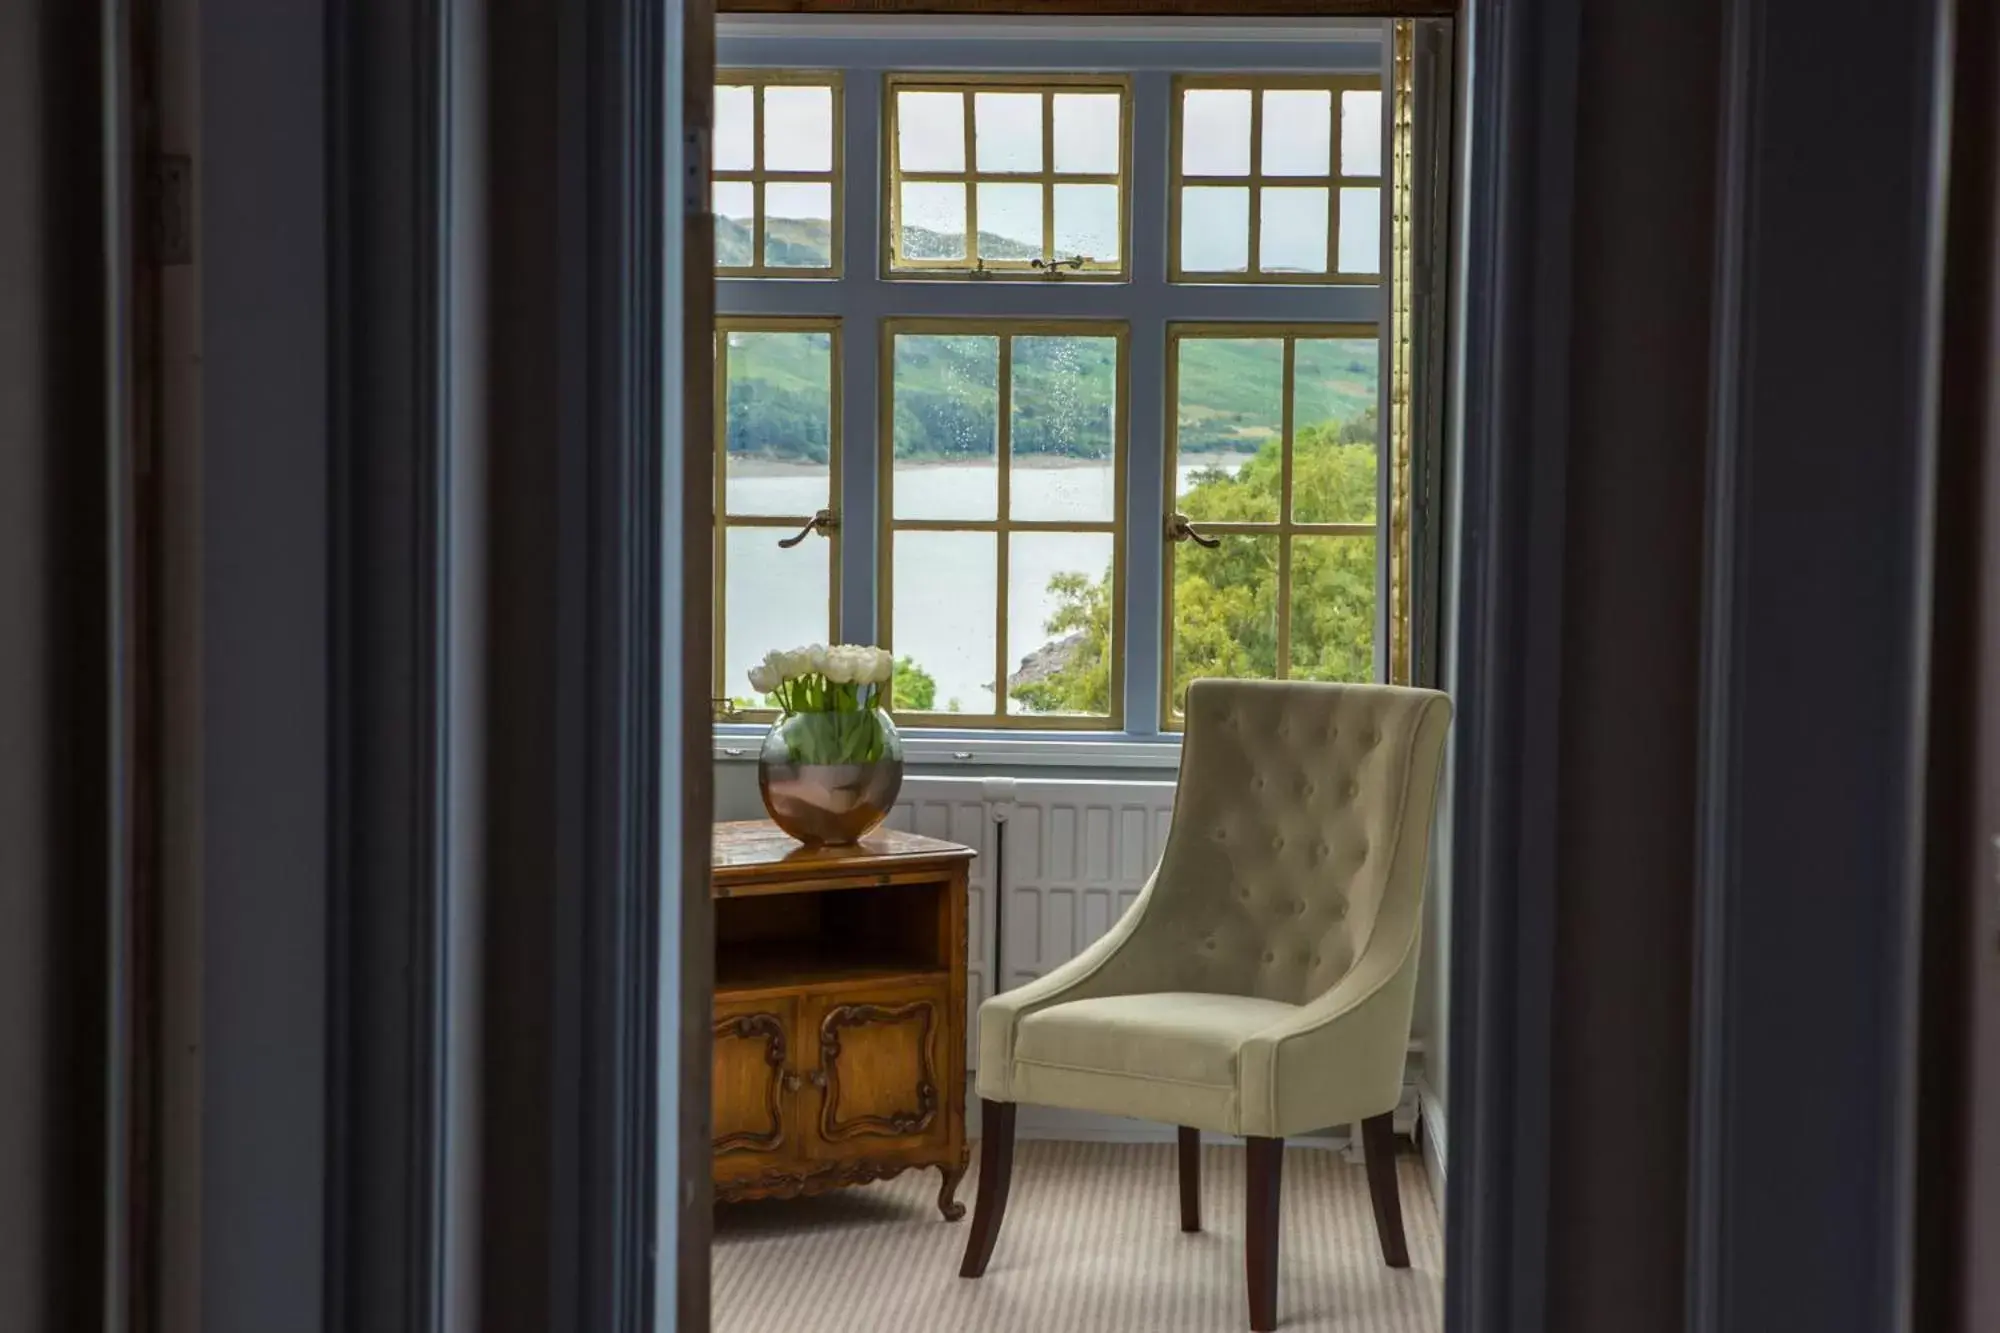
[(1262, 983)]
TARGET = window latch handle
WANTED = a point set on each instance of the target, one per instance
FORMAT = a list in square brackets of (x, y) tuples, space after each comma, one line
[(1181, 529), (823, 522)]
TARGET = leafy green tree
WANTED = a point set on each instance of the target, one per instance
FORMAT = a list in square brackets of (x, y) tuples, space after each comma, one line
[(914, 690), (1225, 607)]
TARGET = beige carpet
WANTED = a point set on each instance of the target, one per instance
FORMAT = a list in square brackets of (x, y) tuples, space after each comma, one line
[(1092, 1244)]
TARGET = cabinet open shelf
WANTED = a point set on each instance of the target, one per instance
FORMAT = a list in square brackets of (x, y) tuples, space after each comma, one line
[(741, 967)]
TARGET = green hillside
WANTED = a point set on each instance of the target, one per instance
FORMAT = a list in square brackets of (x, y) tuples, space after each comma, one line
[(1063, 388)]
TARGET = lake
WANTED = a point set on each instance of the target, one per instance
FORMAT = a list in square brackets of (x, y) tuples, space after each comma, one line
[(944, 581)]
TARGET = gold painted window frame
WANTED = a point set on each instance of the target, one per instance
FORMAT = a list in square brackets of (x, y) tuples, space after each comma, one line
[(1284, 527), (895, 265), (781, 525), (1006, 330), (758, 177), (1256, 181)]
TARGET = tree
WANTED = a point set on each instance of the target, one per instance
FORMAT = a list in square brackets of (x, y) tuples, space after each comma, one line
[(914, 689), (1225, 609)]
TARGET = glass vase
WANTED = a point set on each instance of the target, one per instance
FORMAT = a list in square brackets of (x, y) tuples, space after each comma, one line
[(829, 778)]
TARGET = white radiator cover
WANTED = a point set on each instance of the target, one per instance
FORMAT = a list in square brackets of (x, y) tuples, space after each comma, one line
[(1077, 853)]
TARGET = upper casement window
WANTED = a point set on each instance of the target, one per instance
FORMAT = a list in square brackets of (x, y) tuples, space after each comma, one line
[(777, 177), (1276, 179), (1007, 176)]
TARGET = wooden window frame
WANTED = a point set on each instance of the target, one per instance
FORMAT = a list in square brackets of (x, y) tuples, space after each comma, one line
[(1256, 181), (758, 177), (1284, 527), (780, 524), (973, 266), (1003, 525)]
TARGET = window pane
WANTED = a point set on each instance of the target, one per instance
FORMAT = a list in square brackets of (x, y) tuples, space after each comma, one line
[(798, 128), (933, 220), (1215, 132), (1064, 429), (1087, 222), (930, 131), (1008, 130), (1225, 620), (780, 428), (735, 224), (798, 225), (1333, 608), (1215, 229), (1087, 133), (734, 144), (1361, 230), (946, 401), (944, 613), (1291, 231), (1230, 428), (1334, 430), (1010, 222), (772, 598), (1298, 132), (1059, 601), (1361, 134)]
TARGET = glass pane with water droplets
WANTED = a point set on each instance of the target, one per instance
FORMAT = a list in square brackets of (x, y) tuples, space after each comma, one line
[(735, 204), (772, 598), (946, 401), (1064, 430), (1087, 223), (933, 220), (1088, 133), (1010, 222), (1291, 230)]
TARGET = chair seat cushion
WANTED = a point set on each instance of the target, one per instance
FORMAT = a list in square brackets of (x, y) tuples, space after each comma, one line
[(1172, 1036)]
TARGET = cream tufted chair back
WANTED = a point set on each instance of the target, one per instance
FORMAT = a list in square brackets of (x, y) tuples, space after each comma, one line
[(1291, 846)]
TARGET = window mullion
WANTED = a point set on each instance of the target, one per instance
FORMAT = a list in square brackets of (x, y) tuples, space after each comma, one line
[(1004, 452), (1284, 607), (1048, 177), (864, 458)]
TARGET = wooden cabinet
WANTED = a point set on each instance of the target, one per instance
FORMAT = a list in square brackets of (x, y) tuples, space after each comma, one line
[(839, 1012)]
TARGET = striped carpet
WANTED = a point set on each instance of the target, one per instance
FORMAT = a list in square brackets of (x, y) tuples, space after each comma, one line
[(1092, 1244)]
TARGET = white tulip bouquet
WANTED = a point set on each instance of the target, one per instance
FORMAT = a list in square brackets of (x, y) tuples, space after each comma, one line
[(831, 698)]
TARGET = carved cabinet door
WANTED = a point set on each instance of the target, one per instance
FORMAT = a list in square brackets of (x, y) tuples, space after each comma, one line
[(755, 1083), (880, 1072)]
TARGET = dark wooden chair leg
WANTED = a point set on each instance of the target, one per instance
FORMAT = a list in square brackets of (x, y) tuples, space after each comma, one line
[(1190, 1179), (1264, 1168), (1378, 1145), (996, 1164)]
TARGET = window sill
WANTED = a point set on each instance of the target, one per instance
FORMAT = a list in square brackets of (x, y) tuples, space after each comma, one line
[(990, 749)]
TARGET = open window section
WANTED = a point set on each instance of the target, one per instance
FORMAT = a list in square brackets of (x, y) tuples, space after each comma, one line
[(777, 489), (1276, 179), (1273, 463), (777, 176), (1007, 176), (1003, 521)]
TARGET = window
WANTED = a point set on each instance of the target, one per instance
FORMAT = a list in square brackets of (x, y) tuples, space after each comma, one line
[(777, 479), (777, 176), (1007, 176), (1273, 476), (1277, 180), (1002, 508), (1055, 469)]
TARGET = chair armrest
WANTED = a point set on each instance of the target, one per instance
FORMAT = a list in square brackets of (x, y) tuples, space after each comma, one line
[(1340, 1058), (1107, 967)]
